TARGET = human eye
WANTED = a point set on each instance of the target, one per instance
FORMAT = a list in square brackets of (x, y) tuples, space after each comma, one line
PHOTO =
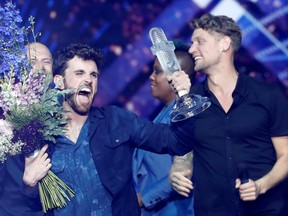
[(47, 62), (79, 73), (157, 71), (94, 74), (33, 62), (201, 41)]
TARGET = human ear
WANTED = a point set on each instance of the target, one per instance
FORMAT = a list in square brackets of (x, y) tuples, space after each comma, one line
[(226, 43), (58, 80)]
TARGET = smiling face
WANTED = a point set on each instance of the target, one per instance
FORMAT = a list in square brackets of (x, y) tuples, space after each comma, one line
[(82, 77), (40, 57), (206, 49)]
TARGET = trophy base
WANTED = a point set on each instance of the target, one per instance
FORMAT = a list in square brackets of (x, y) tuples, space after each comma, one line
[(188, 106)]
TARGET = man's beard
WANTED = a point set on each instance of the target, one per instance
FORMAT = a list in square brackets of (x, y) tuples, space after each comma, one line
[(70, 98)]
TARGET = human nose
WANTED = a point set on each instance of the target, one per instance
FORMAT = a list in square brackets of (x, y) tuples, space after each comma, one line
[(37, 65), (88, 79), (192, 49), (152, 76)]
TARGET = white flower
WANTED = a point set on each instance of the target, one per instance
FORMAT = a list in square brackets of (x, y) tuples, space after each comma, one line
[(5, 128), (7, 147)]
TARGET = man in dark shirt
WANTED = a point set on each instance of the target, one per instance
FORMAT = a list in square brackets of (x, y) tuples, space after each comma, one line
[(246, 126)]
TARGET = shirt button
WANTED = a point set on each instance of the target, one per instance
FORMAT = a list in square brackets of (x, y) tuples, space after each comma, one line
[(228, 138), (139, 175), (117, 140), (227, 117)]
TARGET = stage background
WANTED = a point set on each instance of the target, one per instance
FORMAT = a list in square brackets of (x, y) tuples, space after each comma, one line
[(121, 29)]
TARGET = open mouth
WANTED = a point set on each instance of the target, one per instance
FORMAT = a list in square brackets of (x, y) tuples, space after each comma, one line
[(84, 95), (84, 91), (197, 58)]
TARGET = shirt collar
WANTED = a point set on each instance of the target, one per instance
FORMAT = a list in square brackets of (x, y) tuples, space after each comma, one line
[(239, 89), (240, 85), (96, 113)]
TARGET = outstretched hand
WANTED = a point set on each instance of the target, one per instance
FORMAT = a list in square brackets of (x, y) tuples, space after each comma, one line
[(36, 167)]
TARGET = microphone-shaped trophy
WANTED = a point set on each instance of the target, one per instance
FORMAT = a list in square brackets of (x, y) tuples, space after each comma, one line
[(187, 105)]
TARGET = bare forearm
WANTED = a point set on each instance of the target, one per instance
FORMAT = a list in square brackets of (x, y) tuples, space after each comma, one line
[(280, 169), (278, 173)]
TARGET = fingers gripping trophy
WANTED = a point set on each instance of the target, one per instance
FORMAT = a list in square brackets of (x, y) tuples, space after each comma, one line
[(187, 105)]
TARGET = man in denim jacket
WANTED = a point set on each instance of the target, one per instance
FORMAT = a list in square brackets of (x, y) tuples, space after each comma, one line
[(94, 157)]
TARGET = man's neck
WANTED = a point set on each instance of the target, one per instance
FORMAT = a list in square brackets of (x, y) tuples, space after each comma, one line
[(75, 124), (222, 82), (222, 79)]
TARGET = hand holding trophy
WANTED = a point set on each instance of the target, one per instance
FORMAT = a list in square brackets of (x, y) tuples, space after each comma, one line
[(187, 105)]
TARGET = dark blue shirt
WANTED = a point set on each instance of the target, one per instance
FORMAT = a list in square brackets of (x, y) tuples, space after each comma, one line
[(74, 165), (240, 136), (113, 135)]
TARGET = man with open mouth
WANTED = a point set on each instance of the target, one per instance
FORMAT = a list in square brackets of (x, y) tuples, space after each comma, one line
[(94, 157)]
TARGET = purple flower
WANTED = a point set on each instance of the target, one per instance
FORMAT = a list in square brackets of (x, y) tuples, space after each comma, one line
[(31, 135)]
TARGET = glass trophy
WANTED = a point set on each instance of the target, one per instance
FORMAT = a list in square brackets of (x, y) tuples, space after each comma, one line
[(187, 105)]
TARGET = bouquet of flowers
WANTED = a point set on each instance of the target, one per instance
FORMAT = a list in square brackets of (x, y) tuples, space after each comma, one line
[(31, 113)]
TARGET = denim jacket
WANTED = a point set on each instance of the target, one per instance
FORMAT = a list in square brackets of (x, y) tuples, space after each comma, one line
[(113, 135)]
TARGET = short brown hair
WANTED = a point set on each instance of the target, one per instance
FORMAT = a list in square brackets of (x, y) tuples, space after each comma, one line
[(221, 24)]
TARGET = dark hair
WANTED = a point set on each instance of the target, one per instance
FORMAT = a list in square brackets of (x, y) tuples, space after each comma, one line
[(187, 63), (221, 24), (83, 51)]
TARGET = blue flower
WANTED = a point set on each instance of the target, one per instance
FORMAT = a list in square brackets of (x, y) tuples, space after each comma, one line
[(12, 38), (30, 106)]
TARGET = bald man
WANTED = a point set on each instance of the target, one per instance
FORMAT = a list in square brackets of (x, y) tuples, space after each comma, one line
[(12, 201), (39, 56)]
